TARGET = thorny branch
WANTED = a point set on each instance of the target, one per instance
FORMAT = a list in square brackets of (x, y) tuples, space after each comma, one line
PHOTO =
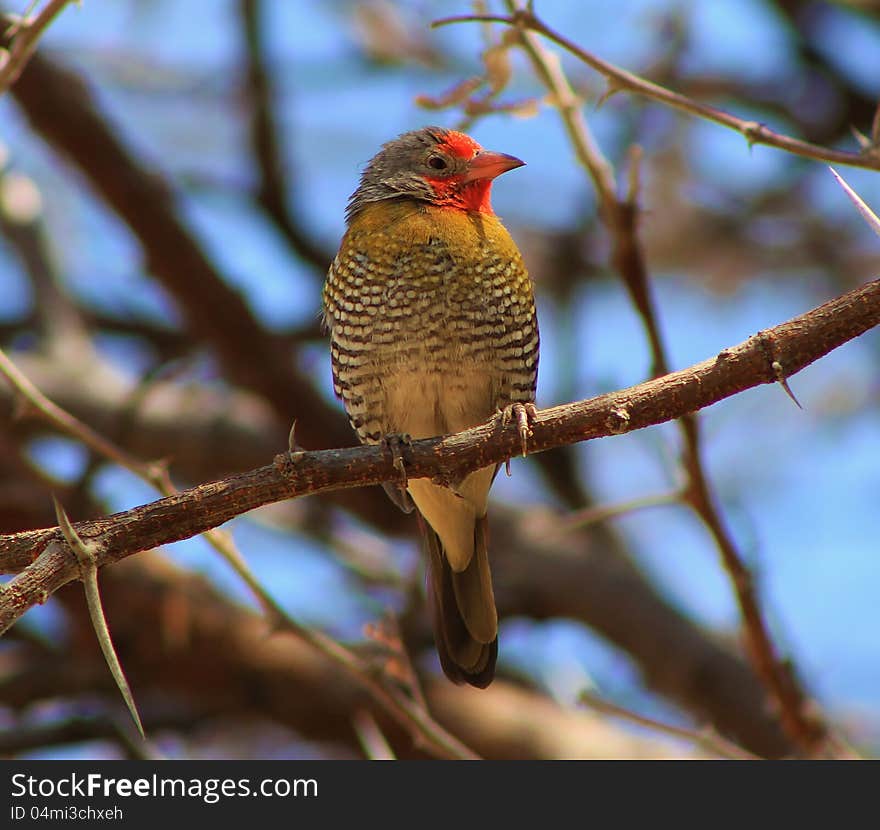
[(272, 187), (85, 555), (411, 715), (798, 342), (695, 673), (622, 80), (620, 215), (19, 38), (61, 108), (770, 343)]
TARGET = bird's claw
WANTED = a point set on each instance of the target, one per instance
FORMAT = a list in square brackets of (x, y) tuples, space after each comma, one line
[(394, 443), (525, 415)]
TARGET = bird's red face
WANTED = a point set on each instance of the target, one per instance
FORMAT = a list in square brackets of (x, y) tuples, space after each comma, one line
[(434, 165), (460, 172)]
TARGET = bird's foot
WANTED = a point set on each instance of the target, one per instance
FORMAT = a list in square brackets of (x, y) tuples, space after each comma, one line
[(395, 444), (524, 414)]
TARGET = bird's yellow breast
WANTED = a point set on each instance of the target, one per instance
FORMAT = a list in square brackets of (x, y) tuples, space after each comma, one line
[(432, 319), (403, 225)]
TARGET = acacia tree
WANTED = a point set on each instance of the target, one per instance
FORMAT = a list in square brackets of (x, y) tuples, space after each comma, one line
[(214, 444)]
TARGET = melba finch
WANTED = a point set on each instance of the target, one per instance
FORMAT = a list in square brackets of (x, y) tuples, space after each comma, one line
[(433, 330)]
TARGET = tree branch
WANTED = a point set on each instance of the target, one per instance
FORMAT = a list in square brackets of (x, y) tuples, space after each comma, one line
[(620, 215), (796, 343), (19, 39), (189, 646), (61, 108), (265, 143), (620, 79)]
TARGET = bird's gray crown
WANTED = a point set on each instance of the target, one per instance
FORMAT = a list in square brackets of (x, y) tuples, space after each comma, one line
[(402, 167)]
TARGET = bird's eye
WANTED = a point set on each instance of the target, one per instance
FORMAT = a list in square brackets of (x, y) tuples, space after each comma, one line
[(437, 163)]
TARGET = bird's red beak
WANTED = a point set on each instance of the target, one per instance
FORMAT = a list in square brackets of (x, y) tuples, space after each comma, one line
[(487, 165)]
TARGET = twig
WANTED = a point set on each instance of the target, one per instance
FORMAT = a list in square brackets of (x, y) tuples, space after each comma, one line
[(622, 80), (409, 714), (265, 143), (21, 42), (705, 739), (579, 519), (370, 737), (154, 473)]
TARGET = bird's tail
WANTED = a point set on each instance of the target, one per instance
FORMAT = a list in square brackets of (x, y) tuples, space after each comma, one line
[(463, 609)]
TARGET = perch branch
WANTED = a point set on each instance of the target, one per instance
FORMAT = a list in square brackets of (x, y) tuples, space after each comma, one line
[(798, 343), (621, 80)]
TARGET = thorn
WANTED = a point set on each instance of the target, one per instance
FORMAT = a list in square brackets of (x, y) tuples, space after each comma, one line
[(85, 553), (867, 214), (507, 467), (291, 438), (861, 139), (783, 381), (401, 469), (158, 472), (752, 131), (766, 341), (611, 90)]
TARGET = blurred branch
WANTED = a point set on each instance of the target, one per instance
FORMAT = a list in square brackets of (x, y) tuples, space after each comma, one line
[(544, 574), (186, 641), (22, 223), (408, 712), (204, 432), (797, 343), (153, 473), (621, 215), (582, 575), (60, 107), (603, 512), (370, 737), (705, 739), (19, 40), (77, 729), (812, 22), (622, 80), (266, 143), (62, 110)]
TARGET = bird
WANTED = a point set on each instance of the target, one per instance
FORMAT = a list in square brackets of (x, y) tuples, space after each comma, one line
[(433, 330)]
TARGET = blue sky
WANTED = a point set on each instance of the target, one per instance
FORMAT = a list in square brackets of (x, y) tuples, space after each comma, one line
[(799, 488)]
